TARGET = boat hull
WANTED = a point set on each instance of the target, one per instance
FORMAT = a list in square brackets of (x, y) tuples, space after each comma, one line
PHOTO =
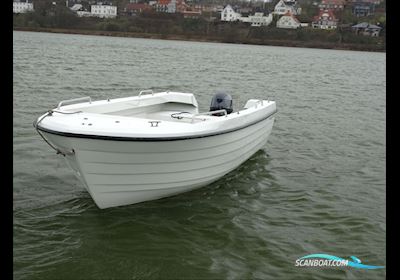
[(117, 173)]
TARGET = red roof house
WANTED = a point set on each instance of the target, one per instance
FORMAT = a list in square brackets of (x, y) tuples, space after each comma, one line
[(133, 8), (325, 20)]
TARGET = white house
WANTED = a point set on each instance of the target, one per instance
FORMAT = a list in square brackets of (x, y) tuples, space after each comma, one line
[(104, 11), (287, 6), (172, 6), (258, 19), (22, 7), (166, 6), (288, 21), (229, 14)]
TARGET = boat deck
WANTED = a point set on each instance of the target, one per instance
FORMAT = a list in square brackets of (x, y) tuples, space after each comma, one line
[(176, 115)]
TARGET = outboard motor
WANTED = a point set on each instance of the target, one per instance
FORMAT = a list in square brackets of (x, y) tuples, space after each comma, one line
[(220, 101)]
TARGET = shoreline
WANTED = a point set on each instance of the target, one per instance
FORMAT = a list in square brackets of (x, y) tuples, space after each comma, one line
[(200, 38)]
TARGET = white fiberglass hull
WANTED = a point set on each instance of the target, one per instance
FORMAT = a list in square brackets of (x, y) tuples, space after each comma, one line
[(117, 173)]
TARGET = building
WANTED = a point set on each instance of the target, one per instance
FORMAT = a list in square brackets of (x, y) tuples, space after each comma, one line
[(136, 8), (376, 2), (171, 6), (104, 11), (207, 7), (363, 9), (162, 6), (332, 4), (258, 19), (229, 14), (22, 7), (166, 6), (181, 6), (325, 20), (282, 7), (367, 29), (288, 21)]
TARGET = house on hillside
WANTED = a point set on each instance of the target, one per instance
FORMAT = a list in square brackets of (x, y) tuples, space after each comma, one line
[(282, 7), (367, 29), (206, 7), (288, 21), (376, 2), (332, 4), (170, 6), (165, 6), (363, 9), (20, 7), (325, 20), (181, 6), (229, 14), (258, 19), (103, 11), (136, 8)]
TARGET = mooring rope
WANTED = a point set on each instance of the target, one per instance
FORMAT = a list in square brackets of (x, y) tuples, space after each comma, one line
[(175, 115), (50, 113)]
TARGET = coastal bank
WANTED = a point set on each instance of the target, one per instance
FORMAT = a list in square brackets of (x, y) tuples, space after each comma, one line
[(380, 47)]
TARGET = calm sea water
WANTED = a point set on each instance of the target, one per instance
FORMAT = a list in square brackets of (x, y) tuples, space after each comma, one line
[(318, 186)]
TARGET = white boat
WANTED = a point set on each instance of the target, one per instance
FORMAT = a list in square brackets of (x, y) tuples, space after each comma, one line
[(153, 145)]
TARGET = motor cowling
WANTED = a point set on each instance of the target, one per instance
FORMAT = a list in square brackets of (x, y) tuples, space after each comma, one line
[(221, 101)]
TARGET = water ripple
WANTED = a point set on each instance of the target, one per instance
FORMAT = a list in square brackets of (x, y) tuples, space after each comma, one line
[(317, 186)]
